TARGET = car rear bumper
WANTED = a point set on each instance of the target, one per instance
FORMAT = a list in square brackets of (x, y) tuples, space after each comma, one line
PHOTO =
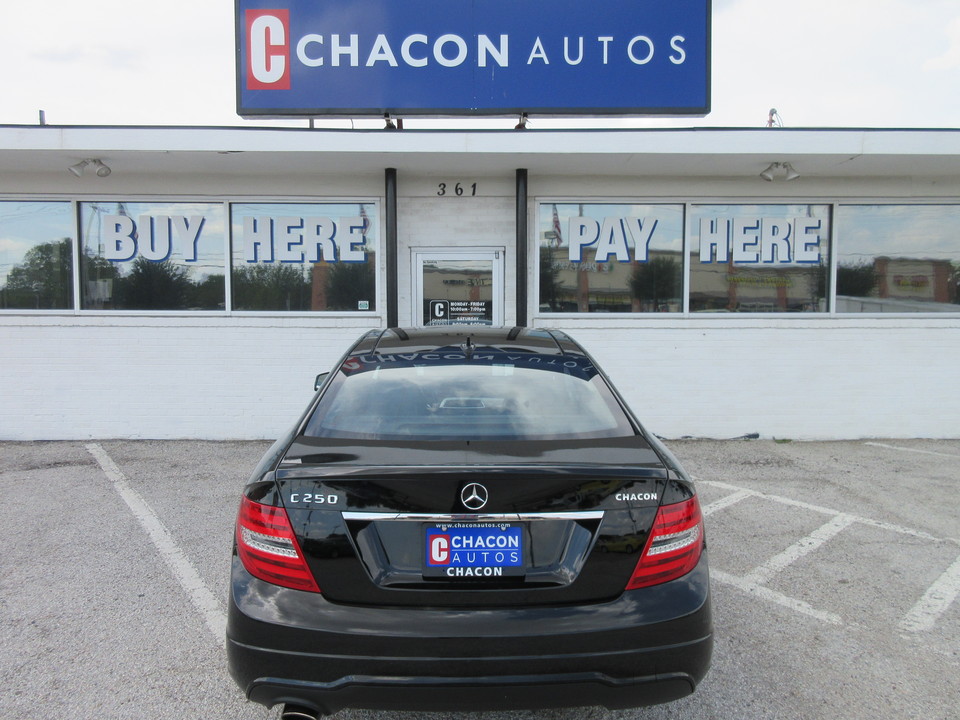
[(646, 647), (501, 692)]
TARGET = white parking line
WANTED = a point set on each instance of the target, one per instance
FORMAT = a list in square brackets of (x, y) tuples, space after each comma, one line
[(804, 546), (830, 511), (773, 596), (726, 501), (923, 616), (911, 450), (935, 601), (183, 570)]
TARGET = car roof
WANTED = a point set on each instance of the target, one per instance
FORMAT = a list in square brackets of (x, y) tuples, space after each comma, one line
[(516, 339)]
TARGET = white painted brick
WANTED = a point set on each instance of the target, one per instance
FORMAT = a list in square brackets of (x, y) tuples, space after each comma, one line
[(213, 381), (224, 378), (835, 381)]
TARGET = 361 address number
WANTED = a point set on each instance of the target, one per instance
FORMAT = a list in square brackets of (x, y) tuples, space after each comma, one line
[(459, 189)]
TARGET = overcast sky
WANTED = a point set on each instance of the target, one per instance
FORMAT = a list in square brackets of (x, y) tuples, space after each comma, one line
[(821, 63)]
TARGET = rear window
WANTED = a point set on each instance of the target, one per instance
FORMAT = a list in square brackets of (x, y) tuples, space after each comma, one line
[(450, 395)]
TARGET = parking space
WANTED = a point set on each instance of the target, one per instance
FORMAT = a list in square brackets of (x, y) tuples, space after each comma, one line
[(836, 573), (873, 570)]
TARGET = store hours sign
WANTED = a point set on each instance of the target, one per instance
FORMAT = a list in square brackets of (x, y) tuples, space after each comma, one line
[(473, 57)]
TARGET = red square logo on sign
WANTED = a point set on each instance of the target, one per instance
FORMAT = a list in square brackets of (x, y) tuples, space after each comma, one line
[(268, 49), (439, 550)]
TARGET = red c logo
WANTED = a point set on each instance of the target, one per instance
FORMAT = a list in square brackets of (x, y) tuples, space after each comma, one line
[(268, 49), (440, 550)]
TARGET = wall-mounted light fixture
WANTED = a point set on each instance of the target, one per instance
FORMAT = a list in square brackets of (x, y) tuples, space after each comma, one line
[(774, 168), (102, 169)]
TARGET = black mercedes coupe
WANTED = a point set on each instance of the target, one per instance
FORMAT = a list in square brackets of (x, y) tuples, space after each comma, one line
[(468, 518)]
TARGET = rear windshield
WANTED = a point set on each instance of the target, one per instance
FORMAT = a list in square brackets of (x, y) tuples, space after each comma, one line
[(449, 395)]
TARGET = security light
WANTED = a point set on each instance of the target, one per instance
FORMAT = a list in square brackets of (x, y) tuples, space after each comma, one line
[(773, 169), (102, 169)]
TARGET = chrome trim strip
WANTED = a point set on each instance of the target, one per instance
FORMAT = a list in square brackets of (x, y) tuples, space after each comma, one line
[(473, 517)]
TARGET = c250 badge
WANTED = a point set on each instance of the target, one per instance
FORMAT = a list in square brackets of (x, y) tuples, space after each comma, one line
[(314, 498)]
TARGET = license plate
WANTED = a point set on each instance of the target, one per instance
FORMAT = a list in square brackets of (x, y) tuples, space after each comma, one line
[(473, 550)]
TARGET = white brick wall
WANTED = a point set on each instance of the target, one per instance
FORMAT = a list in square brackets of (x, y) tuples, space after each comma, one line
[(797, 379), (218, 378)]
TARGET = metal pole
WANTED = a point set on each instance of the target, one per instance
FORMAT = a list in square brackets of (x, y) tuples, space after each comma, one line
[(391, 243), (522, 249)]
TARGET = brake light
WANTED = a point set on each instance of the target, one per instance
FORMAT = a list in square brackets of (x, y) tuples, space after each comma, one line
[(268, 548), (674, 547)]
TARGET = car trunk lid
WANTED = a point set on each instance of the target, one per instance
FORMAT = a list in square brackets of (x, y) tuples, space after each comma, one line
[(389, 524)]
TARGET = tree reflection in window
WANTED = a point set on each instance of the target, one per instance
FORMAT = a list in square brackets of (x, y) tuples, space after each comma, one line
[(320, 286), (304, 257), (36, 255), (270, 287), (656, 283), (43, 280), (152, 256)]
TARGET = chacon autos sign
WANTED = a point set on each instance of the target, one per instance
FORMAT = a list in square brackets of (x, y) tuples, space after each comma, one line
[(472, 57)]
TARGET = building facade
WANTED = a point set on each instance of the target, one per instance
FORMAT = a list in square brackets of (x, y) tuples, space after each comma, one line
[(191, 282)]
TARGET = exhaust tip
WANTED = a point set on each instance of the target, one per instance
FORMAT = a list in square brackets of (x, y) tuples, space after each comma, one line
[(298, 712)]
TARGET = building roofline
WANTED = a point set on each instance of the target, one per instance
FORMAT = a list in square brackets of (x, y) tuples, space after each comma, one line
[(684, 152)]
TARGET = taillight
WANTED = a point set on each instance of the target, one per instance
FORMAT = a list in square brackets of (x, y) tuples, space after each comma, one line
[(674, 547), (268, 548)]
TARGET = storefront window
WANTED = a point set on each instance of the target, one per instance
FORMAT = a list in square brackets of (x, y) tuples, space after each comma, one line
[(36, 255), (605, 257), (759, 258), (152, 256), (898, 258), (319, 256)]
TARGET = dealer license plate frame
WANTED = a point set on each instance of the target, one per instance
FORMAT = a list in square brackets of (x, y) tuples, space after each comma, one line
[(468, 563)]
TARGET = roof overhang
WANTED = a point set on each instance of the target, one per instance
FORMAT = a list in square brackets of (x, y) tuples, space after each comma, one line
[(703, 153)]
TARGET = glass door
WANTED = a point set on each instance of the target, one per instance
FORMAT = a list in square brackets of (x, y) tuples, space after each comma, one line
[(458, 287)]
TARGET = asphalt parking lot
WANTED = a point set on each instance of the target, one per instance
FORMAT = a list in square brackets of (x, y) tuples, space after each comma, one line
[(835, 569)]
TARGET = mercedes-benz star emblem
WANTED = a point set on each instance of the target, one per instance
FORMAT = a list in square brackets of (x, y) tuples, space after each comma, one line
[(474, 496)]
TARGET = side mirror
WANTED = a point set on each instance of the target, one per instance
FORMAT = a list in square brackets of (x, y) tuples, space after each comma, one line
[(319, 381)]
